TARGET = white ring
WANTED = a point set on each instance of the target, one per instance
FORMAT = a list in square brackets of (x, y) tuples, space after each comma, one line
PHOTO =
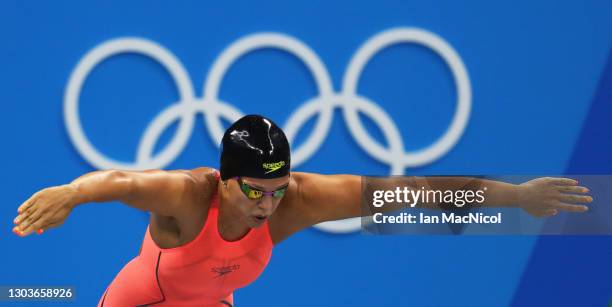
[(254, 42), (464, 94), (88, 63), (323, 104)]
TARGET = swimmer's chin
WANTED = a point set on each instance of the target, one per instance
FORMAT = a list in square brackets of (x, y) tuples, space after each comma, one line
[(257, 221)]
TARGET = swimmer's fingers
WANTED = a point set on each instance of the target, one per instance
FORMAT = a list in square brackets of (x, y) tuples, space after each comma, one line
[(25, 231), (43, 229), (44, 223), (562, 181), (39, 229), (572, 189), (571, 198), (26, 209), (28, 203), (49, 206), (570, 207), (27, 218), (33, 208)]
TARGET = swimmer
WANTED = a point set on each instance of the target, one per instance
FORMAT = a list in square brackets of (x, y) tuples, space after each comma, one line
[(212, 231)]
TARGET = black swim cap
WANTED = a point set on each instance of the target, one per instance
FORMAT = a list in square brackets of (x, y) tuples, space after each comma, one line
[(254, 146)]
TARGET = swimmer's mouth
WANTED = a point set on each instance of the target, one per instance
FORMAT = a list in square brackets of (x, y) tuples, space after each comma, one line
[(261, 218)]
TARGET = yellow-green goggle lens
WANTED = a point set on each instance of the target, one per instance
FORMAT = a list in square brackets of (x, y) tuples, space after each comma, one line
[(253, 193), (279, 193)]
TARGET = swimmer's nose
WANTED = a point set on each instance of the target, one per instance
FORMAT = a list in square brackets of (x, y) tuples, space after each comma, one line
[(267, 204)]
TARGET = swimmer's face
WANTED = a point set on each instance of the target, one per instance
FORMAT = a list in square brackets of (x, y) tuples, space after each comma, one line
[(256, 211)]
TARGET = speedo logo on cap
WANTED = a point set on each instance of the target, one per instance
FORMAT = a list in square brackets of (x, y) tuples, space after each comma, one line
[(272, 167)]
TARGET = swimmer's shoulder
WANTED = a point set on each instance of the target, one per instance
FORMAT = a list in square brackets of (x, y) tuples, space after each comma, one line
[(174, 231), (197, 186), (205, 181), (203, 174)]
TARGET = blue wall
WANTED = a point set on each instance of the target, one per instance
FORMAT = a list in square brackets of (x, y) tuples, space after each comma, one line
[(540, 79)]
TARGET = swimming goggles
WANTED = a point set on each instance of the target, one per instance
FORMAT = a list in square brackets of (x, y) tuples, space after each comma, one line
[(254, 193)]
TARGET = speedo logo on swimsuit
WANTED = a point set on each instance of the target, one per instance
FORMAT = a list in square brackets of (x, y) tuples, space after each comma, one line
[(224, 270), (271, 167)]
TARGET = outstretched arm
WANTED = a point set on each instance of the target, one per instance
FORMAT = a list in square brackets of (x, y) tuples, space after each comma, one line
[(333, 197), (163, 192)]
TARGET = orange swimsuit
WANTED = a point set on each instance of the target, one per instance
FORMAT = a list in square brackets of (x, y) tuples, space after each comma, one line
[(203, 272)]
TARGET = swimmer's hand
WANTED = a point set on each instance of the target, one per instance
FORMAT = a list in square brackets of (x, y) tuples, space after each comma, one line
[(45, 209), (544, 197)]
